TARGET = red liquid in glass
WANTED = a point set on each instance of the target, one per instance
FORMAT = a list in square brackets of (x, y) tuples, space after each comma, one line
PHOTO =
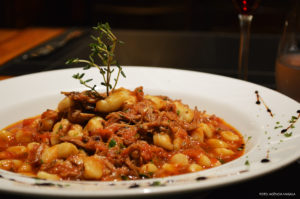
[(246, 7)]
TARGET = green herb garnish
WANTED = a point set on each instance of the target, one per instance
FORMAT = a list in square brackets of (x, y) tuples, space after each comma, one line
[(247, 163), (293, 119), (112, 143), (221, 161), (79, 76), (288, 134), (155, 184), (124, 177), (103, 50)]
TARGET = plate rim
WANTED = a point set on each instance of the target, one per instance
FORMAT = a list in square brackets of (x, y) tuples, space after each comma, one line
[(163, 190)]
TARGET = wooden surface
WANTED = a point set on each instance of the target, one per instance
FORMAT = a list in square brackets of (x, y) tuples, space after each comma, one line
[(14, 42), (2, 77)]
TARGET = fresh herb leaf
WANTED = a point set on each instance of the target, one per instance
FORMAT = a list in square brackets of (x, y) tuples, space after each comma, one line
[(276, 127), (155, 184), (102, 49), (288, 134), (124, 177), (293, 119), (218, 129), (112, 143), (71, 61), (221, 160), (247, 163)]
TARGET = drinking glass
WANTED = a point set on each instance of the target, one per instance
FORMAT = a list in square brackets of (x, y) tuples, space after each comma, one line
[(287, 67), (245, 9)]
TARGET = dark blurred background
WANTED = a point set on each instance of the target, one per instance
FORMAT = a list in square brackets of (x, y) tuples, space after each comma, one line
[(192, 15), (200, 35)]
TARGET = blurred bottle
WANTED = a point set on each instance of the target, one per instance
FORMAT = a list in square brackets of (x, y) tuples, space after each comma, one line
[(288, 57)]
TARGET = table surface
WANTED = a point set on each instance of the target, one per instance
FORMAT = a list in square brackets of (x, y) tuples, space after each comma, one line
[(14, 43)]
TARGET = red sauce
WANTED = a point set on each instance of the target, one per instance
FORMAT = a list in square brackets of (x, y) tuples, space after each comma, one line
[(123, 148)]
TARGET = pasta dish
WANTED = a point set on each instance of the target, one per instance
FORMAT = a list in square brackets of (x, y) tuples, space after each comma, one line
[(127, 135)]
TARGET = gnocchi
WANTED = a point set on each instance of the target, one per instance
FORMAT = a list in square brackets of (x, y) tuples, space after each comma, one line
[(115, 101), (163, 140), (123, 136), (184, 112)]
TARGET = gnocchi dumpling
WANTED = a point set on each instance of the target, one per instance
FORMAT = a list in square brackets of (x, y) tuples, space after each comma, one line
[(158, 101), (163, 140), (184, 112), (93, 168), (62, 150), (115, 101)]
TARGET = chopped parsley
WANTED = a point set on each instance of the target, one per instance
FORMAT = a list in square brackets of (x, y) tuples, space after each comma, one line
[(279, 126), (247, 163), (155, 183), (293, 119), (221, 160), (112, 143), (124, 177), (288, 134), (59, 128)]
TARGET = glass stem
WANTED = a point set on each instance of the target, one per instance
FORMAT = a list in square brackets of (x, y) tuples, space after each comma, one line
[(245, 24)]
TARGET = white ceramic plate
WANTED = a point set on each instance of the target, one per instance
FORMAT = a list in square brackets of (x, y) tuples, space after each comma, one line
[(230, 99)]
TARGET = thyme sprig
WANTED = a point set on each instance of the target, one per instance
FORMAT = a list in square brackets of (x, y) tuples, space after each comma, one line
[(79, 76), (102, 49)]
